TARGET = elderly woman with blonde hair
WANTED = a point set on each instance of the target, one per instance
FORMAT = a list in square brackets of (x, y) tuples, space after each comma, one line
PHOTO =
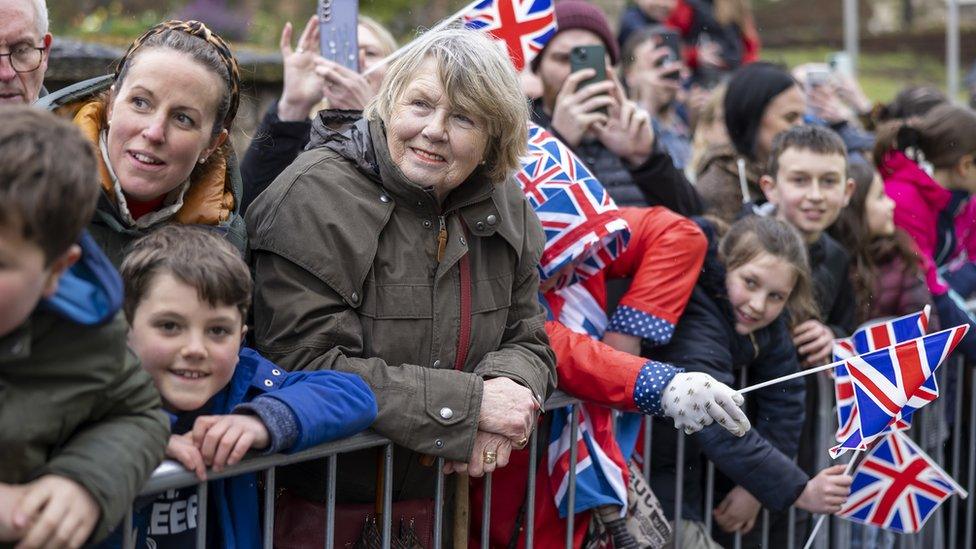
[(399, 248)]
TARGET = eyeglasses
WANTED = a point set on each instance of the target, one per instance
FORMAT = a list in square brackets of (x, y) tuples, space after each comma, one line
[(24, 57)]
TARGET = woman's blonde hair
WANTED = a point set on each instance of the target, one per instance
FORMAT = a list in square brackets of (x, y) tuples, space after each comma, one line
[(382, 35), (754, 235), (479, 80)]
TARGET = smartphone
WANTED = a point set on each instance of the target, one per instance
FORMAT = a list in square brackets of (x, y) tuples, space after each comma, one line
[(338, 26), (817, 77), (840, 61), (590, 57), (670, 40)]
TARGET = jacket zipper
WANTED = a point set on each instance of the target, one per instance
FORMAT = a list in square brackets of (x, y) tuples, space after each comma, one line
[(441, 239)]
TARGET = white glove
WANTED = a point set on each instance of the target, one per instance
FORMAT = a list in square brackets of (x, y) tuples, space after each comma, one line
[(695, 399)]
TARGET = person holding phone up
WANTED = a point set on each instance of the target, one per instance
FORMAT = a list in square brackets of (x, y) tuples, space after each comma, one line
[(310, 80), (652, 71), (609, 132)]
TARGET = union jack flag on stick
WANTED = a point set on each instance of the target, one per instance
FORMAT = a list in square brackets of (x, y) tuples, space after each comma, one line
[(523, 26), (887, 382), (871, 338), (897, 486)]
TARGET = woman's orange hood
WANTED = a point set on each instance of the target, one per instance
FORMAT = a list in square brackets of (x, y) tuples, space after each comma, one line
[(208, 201)]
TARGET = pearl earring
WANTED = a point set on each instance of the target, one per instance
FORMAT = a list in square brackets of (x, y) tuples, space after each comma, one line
[(202, 160)]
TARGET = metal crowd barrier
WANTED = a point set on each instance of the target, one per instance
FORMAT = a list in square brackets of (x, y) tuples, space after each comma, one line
[(930, 430)]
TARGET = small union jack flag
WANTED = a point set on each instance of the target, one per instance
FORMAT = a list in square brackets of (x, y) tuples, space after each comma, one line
[(600, 479), (523, 26), (886, 382), (582, 223), (871, 338), (897, 486)]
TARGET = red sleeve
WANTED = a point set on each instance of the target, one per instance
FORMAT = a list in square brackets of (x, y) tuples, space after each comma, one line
[(664, 258), (750, 42), (592, 371), (681, 18)]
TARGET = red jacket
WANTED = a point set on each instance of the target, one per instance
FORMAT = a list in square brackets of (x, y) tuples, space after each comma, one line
[(664, 257)]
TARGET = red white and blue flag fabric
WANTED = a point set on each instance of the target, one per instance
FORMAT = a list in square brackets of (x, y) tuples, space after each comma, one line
[(897, 486), (582, 224), (885, 382), (871, 338), (584, 232), (600, 479), (523, 26)]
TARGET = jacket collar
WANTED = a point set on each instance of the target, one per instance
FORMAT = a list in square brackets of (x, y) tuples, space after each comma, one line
[(363, 142)]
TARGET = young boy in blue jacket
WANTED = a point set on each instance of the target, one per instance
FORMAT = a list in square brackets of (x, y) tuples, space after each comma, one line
[(187, 292)]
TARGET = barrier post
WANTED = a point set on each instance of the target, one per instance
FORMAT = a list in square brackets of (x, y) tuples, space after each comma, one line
[(269, 501), (530, 498), (571, 491), (201, 542), (330, 472)]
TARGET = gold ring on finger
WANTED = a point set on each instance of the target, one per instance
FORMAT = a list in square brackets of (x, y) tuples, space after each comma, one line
[(490, 457)]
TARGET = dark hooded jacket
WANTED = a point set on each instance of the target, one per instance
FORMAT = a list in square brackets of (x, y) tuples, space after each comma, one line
[(74, 401), (345, 255), (705, 340)]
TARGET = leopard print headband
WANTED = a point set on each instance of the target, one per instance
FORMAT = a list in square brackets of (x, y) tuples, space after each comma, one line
[(199, 30)]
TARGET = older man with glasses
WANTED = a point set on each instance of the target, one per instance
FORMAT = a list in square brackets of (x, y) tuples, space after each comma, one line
[(24, 48)]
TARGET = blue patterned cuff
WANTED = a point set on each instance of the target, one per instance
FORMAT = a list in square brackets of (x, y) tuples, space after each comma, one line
[(650, 384), (627, 320)]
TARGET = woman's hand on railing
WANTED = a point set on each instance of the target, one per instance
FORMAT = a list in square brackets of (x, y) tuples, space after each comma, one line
[(507, 409), (696, 399), (827, 492), (738, 511), (491, 451)]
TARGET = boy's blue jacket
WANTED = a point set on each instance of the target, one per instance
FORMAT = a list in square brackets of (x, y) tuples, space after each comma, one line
[(327, 405)]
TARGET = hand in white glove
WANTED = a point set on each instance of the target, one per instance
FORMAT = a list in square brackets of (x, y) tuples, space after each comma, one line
[(695, 399)]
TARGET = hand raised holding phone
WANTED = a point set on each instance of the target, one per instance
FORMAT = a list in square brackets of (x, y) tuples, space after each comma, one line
[(584, 99)]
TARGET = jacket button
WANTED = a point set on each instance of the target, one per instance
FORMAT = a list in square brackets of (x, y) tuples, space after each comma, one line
[(480, 225), (436, 364), (439, 443), (276, 372), (17, 347), (354, 297), (447, 413), (492, 219), (384, 198), (427, 224), (462, 241), (268, 383)]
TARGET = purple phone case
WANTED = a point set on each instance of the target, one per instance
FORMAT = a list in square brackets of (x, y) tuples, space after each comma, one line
[(338, 27)]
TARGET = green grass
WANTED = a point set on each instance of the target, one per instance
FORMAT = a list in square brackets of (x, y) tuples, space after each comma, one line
[(881, 75)]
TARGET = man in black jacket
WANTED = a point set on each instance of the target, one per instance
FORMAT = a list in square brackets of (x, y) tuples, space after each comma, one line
[(608, 132)]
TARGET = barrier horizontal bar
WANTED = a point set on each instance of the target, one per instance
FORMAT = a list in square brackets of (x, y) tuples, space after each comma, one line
[(171, 475)]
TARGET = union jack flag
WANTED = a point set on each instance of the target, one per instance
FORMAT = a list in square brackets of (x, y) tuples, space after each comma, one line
[(897, 486), (582, 223), (886, 382), (871, 338), (600, 479), (523, 26)]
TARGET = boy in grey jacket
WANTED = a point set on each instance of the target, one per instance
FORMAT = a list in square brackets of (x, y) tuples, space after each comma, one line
[(80, 423)]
